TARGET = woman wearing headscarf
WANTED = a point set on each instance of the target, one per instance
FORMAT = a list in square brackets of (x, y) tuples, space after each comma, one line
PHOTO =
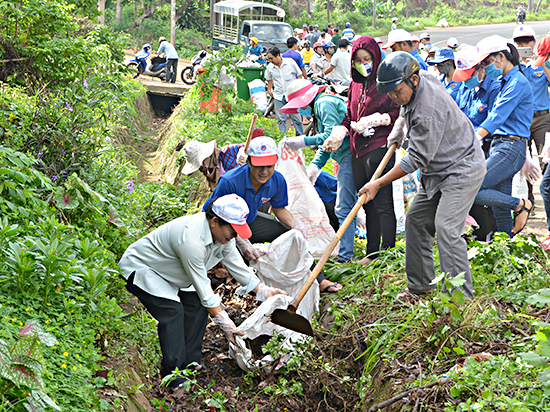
[(508, 122), (369, 120)]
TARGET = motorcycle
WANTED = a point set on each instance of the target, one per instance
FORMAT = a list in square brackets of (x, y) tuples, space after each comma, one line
[(155, 68), (332, 88), (189, 74), (521, 16)]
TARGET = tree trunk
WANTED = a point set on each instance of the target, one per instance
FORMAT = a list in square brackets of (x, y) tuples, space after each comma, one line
[(531, 5), (147, 12), (538, 6), (118, 11), (374, 13), (309, 8), (186, 4), (101, 8), (328, 13)]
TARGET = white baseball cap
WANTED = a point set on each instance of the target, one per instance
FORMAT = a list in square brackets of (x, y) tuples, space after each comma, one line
[(263, 151), (395, 36), (234, 210), (414, 37), (424, 36), (466, 60), (491, 44), (378, 40), (523, 31), (452, 42)]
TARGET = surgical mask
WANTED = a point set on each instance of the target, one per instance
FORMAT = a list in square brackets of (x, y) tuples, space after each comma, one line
[(330, 50), (306, 112), (492, 71), (364, 69), (444, 68), (472, 82)]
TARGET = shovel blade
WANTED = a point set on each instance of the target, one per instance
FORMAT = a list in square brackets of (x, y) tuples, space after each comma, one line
[(290, 320)]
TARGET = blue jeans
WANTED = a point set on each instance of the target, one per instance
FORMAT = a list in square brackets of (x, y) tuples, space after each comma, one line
[(281, 118), (506, 158), (346, 197), (545, 193)]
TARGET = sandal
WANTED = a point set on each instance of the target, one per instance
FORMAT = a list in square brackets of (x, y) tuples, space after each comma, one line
[(332, 292), (412, 295), (519, 212)]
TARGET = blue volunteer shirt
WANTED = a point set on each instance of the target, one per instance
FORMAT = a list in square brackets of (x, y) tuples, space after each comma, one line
[(513, 109), (451, 87), (257, 51), (237, 181), (326, 185), (477, 105), (418, 57), (294, 55), (539, 84)]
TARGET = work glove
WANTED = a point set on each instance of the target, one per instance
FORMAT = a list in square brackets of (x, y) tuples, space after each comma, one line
[(295, 143), (265, 292), (334, 141), (223, 320), (545, 153), (313, 172), (397, 134), (373, 120), (250, 251), (298, 225), (241, 156), (530, 170)]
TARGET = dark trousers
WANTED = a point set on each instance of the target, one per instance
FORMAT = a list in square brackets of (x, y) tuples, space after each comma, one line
[(181, 327), (266, 228), (539, 127), (380, 212), (171, 70)]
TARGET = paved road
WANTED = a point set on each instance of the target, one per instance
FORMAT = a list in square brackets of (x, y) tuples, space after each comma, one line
[(473, 34)]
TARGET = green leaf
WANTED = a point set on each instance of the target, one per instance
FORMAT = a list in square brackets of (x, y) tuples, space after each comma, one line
[(458, 280), (458, 297), (532, 358), (544, 376)]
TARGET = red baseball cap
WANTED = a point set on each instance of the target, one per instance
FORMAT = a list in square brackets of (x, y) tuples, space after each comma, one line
[(543, 50)]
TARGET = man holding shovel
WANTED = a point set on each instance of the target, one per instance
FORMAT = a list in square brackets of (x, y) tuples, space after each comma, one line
[(177, 256), (258, 183), (443, 145)]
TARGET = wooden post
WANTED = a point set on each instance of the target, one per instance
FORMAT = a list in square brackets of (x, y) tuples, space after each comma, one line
[(374, 13)]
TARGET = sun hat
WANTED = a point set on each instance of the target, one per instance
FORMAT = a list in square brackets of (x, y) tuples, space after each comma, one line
[(491, 44), (234, 210), (523, 31), (452, 42), (263, 151), (194, 153), (466, 60), (442, 55), (300, 92), (424, 36), (543, 50), (395, 36)]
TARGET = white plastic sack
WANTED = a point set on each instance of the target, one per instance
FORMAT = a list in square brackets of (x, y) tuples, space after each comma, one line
[(285, 266), (398, 199), (303, 201), (258, 94), (519, 187)]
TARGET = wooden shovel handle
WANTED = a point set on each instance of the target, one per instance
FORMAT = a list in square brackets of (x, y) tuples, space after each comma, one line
[(249, 137), (343, 227)]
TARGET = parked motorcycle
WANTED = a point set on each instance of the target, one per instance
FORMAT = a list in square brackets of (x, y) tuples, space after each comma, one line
[(155, 68), (189, 73)]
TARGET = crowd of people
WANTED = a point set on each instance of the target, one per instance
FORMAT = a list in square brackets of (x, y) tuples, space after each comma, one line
[(468, 115)]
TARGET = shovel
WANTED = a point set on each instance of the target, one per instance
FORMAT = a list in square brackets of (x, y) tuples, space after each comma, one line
[(289, 318)]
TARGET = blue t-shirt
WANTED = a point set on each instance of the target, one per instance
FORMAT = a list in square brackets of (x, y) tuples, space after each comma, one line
[(326, 185), (294, 55), (451, 87), (512, 112), (257, 51), (477, 105), (418, 57), (237, 181), (539, 83)]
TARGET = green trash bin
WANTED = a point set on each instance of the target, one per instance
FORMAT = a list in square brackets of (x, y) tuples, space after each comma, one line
[(248, 74)]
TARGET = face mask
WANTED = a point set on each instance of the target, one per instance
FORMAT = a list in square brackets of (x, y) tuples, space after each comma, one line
[(472, 82), (306, 112), (330, 51), (444, 68), (364, 69), (492, 71)]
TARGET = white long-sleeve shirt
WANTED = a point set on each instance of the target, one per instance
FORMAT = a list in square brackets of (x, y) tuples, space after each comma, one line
[(178, 255)]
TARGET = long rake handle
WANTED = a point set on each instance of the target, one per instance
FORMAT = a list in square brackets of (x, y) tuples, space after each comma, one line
[(249, 137), (343, 227)]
